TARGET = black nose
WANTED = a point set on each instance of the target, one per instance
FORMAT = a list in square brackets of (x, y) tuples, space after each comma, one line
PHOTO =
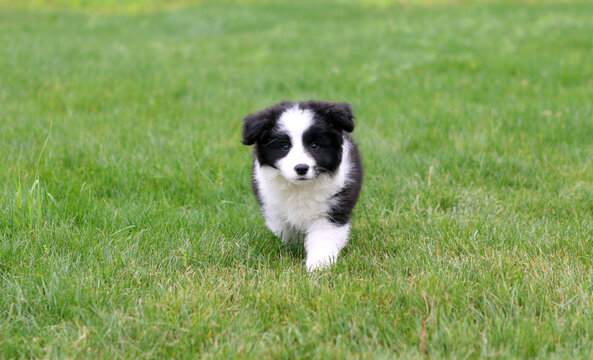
[(301, 169)]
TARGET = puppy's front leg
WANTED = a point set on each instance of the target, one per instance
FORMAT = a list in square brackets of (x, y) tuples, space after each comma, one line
[(323, 243), (281, 229)]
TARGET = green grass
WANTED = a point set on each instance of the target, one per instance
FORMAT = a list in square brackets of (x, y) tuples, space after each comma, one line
[(127, 225)]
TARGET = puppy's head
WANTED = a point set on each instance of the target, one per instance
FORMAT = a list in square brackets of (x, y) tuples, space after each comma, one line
[(300, 140)]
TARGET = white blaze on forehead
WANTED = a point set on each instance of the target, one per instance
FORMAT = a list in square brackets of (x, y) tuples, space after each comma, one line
[(295, 121)]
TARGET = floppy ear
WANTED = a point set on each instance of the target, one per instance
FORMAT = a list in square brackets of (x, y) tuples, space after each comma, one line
[(255, 125), (338, 114)]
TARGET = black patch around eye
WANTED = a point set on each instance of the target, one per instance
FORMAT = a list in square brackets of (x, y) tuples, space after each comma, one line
[(328, 153), (278, 142), (273, 148)]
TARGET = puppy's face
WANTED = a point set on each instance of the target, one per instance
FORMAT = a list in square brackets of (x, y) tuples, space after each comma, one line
[(299, 140)]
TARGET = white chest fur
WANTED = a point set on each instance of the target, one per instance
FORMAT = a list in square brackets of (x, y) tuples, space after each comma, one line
[(298, 205)]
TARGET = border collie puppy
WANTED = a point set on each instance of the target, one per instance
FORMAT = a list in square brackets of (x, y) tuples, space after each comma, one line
[(306, 174)]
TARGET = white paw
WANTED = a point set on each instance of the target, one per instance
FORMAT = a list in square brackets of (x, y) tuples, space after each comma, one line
[(319, 263)]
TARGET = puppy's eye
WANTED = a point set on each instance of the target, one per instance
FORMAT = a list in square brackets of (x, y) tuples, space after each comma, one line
[(285, 147), (314, 146)]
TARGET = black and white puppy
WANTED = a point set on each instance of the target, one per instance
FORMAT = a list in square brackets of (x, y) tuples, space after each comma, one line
[(306, 174)]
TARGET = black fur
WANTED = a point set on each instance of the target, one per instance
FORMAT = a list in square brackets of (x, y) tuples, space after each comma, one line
[(270, 147), (331, 122), (257, 125), (347, 198), (329, 140), (339, 114)]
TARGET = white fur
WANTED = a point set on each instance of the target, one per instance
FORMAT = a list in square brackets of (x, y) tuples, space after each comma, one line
[(294, 122), (291, 207), (323, 243)]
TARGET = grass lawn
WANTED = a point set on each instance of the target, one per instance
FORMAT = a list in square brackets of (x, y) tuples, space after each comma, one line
[(127, 224)]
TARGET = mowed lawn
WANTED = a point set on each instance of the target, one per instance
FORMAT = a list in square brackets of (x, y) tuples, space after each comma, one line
[(127, 224)]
